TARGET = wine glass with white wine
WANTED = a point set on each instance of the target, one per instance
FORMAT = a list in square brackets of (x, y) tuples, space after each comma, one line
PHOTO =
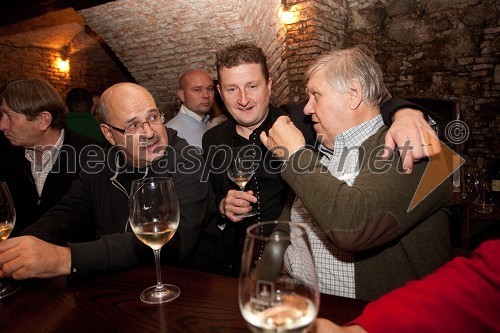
[(7, 222), (270, 299), (241, 170), (154, 218)]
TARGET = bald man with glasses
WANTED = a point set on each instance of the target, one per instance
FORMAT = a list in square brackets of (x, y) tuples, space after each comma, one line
[(84, 233)]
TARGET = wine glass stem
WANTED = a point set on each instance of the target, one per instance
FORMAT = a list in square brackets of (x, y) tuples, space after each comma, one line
[(159, 284)]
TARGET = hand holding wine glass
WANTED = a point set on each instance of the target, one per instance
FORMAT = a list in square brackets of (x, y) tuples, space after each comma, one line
[(270, 299), (241, 170), (154, 218), (7, 222)]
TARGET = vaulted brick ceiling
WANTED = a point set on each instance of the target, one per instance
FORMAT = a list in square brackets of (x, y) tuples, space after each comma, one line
[(53, 30), (156, 40)]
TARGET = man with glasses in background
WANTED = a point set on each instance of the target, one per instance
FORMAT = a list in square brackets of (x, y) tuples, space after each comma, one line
[(85, 232)]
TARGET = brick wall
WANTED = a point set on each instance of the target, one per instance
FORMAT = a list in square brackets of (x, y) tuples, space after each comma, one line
[(158, 41), (320, 25), (440, 49), (427, 48), (18, 62), (90, 66)]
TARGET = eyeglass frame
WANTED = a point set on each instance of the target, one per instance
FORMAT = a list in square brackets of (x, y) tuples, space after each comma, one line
[(123, 131)]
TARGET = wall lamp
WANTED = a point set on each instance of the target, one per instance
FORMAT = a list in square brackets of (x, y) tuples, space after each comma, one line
[(62, 62), (288, 15), (62, 65)]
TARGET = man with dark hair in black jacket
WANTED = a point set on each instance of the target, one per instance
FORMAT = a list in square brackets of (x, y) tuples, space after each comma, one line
[(40, 157), (85, 232)]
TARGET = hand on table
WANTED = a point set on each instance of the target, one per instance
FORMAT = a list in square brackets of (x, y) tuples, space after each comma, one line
[(29, 257), (321, 325)]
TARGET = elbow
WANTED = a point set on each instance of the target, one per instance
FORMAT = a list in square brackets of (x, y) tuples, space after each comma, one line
[(348, 241), (379, 230)]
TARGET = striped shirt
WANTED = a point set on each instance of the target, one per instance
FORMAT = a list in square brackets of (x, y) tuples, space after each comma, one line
[(49, 157)]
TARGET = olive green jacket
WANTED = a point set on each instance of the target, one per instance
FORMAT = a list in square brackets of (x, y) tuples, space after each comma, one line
[(391, 245)]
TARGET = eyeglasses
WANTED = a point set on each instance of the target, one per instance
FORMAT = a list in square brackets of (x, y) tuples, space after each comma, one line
[(138, 127)]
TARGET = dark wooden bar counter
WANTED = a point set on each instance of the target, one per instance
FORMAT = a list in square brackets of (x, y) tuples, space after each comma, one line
[(110, 303)]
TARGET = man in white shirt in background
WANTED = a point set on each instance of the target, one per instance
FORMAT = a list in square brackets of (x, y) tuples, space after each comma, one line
[(196, 92)]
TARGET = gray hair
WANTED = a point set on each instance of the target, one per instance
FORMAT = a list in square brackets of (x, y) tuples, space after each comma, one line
[(102, 112), (356, 63)]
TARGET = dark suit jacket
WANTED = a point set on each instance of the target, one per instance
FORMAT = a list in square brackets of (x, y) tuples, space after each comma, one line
[(15, 170)]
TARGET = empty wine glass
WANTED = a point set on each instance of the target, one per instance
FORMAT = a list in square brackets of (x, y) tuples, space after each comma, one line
[(7, 222), (241, 170), (483, 202), (470, 183), (154, 218), (270, 299)]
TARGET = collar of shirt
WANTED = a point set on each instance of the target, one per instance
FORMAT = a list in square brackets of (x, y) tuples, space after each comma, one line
[(41, 171), (49, 155), (193, 115), (353, 137), (272, 114), (343, 163)]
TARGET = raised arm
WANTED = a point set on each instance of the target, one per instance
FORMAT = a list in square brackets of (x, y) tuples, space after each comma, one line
[(408, 124), (369, 213), (409, 131)]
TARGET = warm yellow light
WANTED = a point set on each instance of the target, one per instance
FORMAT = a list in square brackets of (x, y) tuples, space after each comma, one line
[(62, 65), (289, 15)]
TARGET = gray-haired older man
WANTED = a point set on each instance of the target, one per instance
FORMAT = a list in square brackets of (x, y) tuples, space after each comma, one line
[(364, 240)]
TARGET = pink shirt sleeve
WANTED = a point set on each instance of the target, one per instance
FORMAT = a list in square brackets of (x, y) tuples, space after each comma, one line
[(461, 296)]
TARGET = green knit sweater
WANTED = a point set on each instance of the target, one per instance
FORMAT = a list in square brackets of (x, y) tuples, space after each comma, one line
[(371, 219)]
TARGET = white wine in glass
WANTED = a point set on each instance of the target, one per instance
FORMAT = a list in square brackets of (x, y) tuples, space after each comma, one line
[(7, 222), (270, 299), (154, 218), (241, 170)]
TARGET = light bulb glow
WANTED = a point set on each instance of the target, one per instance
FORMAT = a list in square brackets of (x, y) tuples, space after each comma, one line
[(62, 65), (288, 17)]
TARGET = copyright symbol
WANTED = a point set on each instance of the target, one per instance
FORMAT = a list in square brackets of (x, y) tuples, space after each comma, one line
[(456, 132)]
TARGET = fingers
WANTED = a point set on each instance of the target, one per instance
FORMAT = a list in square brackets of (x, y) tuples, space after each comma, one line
[(431, 145), (322, 325), (283, 120), (14, 269), (413, 137), (8, 250), (389, 143), (238, 202), (264, 138), (32, 257), (12, 257), (424, 143), (283, 139)]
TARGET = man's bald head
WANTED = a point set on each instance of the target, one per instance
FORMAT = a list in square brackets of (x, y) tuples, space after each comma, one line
[(118, 94), (129, 106), (196, 91), (191, 75)]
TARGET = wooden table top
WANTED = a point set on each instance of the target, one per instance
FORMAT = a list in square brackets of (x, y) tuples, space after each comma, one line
[(110, 303)]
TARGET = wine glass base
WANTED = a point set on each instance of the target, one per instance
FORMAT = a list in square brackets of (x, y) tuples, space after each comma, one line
[(249, 214), (8, 287), (167, 294)]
